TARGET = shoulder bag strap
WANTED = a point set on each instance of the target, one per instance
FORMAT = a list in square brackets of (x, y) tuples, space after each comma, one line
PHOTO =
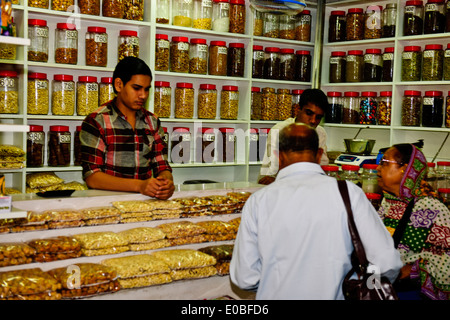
[(400, 230), (357, 244)]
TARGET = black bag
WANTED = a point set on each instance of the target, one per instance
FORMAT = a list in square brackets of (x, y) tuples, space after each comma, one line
[(367, 286)]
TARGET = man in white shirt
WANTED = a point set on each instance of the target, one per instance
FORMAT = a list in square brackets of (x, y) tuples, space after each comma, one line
[(313, 105), (293, 240)]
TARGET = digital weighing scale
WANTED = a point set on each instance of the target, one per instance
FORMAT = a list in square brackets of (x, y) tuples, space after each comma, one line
[(355, 159)]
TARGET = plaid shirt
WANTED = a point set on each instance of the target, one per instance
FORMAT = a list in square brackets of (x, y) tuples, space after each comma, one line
[(110, 145)]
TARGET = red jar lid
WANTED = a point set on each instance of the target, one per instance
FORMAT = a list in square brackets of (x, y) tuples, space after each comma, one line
[(433, 93), (225, 130), (59, 128), (230, 88), (7, 73), (330, 168), (414, 3), (87, 79), (162, 84), (180, 39), (373, 196), (444, 190), (256, 89), (260, 48), (350, 167), (37, 22), (431, 164), (351, 94), (373, 51), (356, 52), (338, 54), (106, 79), (237, 1), (287, 51), (37, 75), (389, 50), (302, 52), (433, 47), (220, 0), (337, 13), (236, 45), (334, 94), (435, 1), (412, 93), (180, 129), (372, 166), (264, 130), (272, 49), (218, 43), (69, 26), (129, 33), (368, 94), (305, 12), (96, 29), (443, 163), (355, 10), (208, 86), (254, 130), (160, 36), (209, 130), (297, 91), (78, 128), (63, 77), (386, 94), (184, 85), (165, 129), (36, 128), (198, 41), (412, 48)]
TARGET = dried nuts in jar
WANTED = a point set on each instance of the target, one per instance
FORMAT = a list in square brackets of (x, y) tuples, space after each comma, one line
[(198, 56), (62, 5), (96, 47), (38, 34), (9, 92), (236, 59), (35, 146), (112, 8), (184, 100), (218, 58), (91, 7), (59, 140), (63, 95), (179, 54), (37, 93), (411, 104), (66, 43), (355, 24), (411, 63), (229, 102), (162, 52), (163, 99), (207, 101), (106, 90), (128, 44), (202, 14), (133, 10), (237, 16), (303, 26), (87, 95)]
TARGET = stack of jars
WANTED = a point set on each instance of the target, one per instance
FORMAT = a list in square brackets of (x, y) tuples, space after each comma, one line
[(426, 65), (426, 111), (272, 25), (430, 18), (358, 24), (274, 104)]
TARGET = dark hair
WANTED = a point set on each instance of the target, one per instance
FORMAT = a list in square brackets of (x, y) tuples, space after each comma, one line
[(298, 141), (314, 96), (404, 153), (128, 67)]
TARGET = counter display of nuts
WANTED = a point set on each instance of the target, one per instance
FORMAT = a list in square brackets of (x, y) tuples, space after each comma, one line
[(184, 100), (37, 93), (96, 46), (162, 52), (163, 99), (128, 44), (207, 101), (229, 102), (87, 95), (9, 94), (179, 54)]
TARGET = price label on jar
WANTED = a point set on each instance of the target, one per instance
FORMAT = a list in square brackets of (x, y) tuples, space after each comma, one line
[(163, 44), (41, 32), (35, 136), (202, 48), (432, 7), (231, 138), (373, 59), (183, 46), (92, 87), (447, 53), (233, 95), (64, 138), (427, 101), (428, 54), (165, 91), (388, 56), (224, 6), (410, 9), (101, 38), (407, 55), (7, 82), (206, 3), (134, 41), (305, 19), (335, 60), (351, 58), (253, 137), (69, 86), (40, 84), (185, 137), (222, 50), (71, 34), (209, 137), (259, 55)]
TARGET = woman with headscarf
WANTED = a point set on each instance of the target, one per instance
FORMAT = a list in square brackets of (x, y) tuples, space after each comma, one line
[(423, 237)]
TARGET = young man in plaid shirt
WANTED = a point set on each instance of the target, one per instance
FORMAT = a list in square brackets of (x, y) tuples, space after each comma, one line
[(121, 142)]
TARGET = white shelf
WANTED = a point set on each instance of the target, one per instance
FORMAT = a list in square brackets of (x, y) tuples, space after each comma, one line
[(14, 128), (15, 40), (13, 214)]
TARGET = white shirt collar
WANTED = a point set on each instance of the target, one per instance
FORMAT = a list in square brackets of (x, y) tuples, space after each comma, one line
[(298, 168)]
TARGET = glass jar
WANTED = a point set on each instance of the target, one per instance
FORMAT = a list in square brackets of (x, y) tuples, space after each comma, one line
[(355, 24), (162, 48), (411, 63), (236, 59), (303, 65), (296, 93), (389, 20), (331, 171), (368, 108), (373, 22), (432, 64), (271, 26), (162, 11), (179, 54), (182, 11), (411, 104), (87, 95), (287, 64), (163, 99), (35, 146), (445, 194), (350, 173), (354, 67), (66, 43), (447, 111), (37, 93), (303, 26), (128, 44), (59, 140), (184, 100), (58, 5), (218, 58), (369, 178), (38, 4), (335, 106), (434, 20), (255, 105), (206, 145), (133, 10), (258, 62), (8, 50), (443, 174), (271, 63), (431, 178), (113, 8), (180, 151), (91, 7), (374, 199), (350, 112), (96, 47), (269, 104), (446, 63), (202, 14), (287, 27), (207, 101), (263, 133), (198, 56), (384, 108), (38, 34), (388, 65), (284, 104), (106, 90), (221, 16), (77, 147), (433, 109), (337, 67), (9, 92), (413, 18), (258, 22), (253, 148), (229, 102), (63, 95), (237, 16), (228, 145), (337, 25), (373, 65)]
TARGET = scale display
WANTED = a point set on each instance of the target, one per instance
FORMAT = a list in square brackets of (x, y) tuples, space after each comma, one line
[(357, 160)]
